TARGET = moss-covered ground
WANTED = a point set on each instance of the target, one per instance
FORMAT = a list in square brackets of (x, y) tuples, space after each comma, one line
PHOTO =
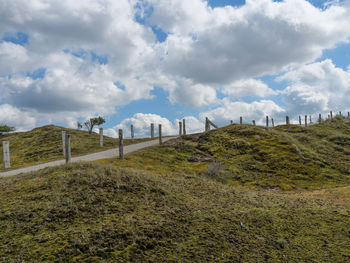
[(218, 196), (282, 158), (98, 213), (45, 144)]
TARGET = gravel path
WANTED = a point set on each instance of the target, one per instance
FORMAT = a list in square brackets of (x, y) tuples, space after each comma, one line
[(88, 158)]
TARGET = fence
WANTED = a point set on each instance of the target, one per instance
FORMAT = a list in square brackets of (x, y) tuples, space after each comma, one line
[(66, 138)]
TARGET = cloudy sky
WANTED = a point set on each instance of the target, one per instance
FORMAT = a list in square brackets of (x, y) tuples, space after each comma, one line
[(137, 62)]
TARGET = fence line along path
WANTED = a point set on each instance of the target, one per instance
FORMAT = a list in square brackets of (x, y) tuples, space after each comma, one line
[(88, 158)]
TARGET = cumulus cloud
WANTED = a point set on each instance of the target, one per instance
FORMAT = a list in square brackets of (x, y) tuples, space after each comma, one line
[(193, 95), (70, 86), (317, 87), (260, 37), (67, 40), (257, 111), (10, 52), (247, 87), (12, 116), (84, 58), (142, 125)]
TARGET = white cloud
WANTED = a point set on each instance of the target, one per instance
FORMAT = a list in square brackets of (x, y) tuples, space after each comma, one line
[(207, 49), (192, 95), (73, 84), (257, 111), (142, 125), (260, 37), (11, 55), (247, 87), (193, 124), (317, 87), (12, 116)]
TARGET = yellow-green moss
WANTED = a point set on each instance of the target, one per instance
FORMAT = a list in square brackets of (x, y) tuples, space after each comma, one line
[(285, 157), (45, 144), (98, 213)]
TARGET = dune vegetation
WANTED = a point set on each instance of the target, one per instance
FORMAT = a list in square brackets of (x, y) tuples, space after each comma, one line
[(236, 194), (44, 144)]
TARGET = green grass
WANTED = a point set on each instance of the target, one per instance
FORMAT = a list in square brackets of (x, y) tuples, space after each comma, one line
[(97, 213), (285, 157), (45, 144), (211, 197)]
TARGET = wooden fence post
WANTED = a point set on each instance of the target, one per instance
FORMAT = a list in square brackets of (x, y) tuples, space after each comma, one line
[(267, 121), (121, 148), (6, 153), (180, 128), (319, 118), (340, 114), (310, 119), (67, 146), (287, 120), (152, 130), (184, 126), (64, 143), (101, 137), (160, 133), (273, 122), (241, 120), (231, 121), (207, 125), (331, 114), (132, 132), (299, 120), (348, 114), (305, 120), (254, 123)]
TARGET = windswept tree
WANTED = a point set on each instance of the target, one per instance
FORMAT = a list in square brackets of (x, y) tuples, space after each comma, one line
[(5, 129), (93, 122), (79, 125)]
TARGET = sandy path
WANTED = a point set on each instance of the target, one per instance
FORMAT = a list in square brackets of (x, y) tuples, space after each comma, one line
[(88, 158)]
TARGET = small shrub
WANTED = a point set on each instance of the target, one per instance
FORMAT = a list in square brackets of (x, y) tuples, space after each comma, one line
[(214, 170)]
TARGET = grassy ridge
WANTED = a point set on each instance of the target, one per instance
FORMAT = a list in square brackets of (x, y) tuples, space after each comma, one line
[(210, 197), (285, 157), (45, 144), (93, 213)]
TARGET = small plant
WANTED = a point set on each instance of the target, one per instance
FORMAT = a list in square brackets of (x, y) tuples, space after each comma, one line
[(79, 125), (6, 129), (214, 170)]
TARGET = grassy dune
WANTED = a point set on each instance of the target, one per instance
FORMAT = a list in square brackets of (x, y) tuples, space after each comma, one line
[(281, 158), (45, 144), (219, 196), (94, 213)]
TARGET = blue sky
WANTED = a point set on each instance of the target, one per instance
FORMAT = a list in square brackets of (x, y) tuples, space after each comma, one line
[(161, 61)]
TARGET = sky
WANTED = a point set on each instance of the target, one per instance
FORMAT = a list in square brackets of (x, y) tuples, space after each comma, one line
[(159, 61)]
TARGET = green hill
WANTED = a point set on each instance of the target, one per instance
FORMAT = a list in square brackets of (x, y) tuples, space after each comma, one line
[(211, 197), (45, 144), (284, 157), (93, 213)]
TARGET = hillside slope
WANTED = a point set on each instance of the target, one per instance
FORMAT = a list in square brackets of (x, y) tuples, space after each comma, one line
[(45, 144), (284, 157), (93, 213)]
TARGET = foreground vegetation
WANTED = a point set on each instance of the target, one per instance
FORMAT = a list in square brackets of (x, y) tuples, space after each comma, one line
[(218, 196), (93, 213), (45, 144), (282, 158)]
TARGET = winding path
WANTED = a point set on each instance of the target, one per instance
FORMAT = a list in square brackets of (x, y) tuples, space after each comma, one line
[(87, 158)]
